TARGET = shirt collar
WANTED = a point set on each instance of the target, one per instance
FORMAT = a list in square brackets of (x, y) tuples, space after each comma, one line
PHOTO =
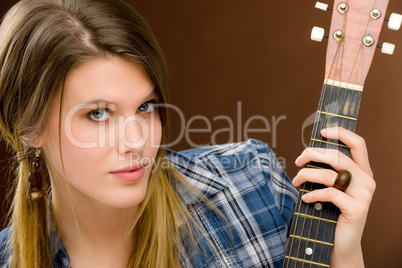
[(199, 171)]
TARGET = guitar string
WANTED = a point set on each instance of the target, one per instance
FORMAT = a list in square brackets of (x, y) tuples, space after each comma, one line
[(304, 185), (335, 62), (350, 76), (322, 203), (340, 124), (360, 47), (325, 123), (339, 58), (313, 143), (340, 120), (320, 145)]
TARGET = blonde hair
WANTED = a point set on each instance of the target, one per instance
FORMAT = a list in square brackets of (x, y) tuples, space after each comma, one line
[(41, 41)]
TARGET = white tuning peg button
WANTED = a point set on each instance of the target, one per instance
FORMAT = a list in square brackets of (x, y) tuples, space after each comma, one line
[(395, 21), (317, 34), (387, 48), (321, 6)]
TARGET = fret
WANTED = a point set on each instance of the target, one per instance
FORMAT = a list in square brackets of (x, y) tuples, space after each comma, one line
[(313, 217), (305, 191), (319, 165), (311, 186), (338, 106), (311, 240), (309, 251), (314, 166), (312, 224), (313, 228), (328, 121), (325, 121), (340, 101), (337, 115), (321, 210), (331, 143), (305, 261)]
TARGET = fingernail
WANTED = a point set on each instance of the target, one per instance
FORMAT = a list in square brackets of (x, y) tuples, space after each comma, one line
[(325, 131), (305, 197), (294, 180), (297, 160)]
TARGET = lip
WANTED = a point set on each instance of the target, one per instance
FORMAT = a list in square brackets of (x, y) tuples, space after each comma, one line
[(129, 174), (129, 168)]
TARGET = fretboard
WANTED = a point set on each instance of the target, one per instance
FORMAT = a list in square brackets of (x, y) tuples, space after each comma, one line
[(312, 234)]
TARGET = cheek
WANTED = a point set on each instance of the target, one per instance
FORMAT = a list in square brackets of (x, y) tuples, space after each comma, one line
[(83, 144), (77, 147), (85, 163), (84, 133)]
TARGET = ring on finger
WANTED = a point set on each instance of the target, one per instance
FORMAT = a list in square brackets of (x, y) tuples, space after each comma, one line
[(342, 180)]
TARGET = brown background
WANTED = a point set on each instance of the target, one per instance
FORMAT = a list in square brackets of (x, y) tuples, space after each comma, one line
[(259, 52)]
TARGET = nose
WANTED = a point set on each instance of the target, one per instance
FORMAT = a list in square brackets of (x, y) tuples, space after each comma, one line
[(133, 134)]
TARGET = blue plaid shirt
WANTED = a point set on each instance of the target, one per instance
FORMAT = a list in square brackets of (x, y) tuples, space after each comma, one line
[(252, 191)]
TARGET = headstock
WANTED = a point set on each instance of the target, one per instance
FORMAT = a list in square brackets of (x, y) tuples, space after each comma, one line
[(353, 38)]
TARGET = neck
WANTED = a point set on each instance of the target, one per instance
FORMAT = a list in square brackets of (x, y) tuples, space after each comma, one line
[(94, 234), (313, 226), (338, 106)]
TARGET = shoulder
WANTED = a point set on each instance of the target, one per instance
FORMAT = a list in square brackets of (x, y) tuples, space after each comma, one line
[(247, 184), (225, 156), (245, 165), (219, 165), (225, 149), (4, 251)]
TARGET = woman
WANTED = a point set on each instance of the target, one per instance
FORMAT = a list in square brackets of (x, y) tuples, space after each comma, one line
[(82, 89)]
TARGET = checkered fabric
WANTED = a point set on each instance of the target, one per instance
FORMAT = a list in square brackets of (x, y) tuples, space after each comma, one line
[(250, 188)]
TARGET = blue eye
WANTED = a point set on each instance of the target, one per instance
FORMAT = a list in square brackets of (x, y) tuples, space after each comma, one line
[(147, 107), (99, 115)]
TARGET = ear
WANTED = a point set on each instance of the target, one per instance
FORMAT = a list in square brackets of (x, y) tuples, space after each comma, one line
[(36, 142)]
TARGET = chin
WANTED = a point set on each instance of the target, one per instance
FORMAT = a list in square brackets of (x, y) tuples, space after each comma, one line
[(125, 200)]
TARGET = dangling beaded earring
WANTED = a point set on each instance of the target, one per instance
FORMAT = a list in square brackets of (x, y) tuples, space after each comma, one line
[(35, 191)]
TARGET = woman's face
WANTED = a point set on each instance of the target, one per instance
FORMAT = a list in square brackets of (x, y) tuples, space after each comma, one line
[(110, 134)]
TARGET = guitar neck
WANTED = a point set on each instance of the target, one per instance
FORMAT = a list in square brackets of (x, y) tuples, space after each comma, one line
[(312, 233), (338, 106)]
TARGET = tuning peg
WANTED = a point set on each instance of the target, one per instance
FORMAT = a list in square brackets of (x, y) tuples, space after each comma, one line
[(317, 34), (394, 21), (387, 48), (321, 6)]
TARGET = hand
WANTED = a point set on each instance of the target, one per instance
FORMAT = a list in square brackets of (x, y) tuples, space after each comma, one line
[(353, 203)]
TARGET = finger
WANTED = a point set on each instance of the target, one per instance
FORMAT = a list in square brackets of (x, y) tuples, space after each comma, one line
[(338, 198), (357, 145), (362, 183), (349, 206), (333, 157), (323, 176)]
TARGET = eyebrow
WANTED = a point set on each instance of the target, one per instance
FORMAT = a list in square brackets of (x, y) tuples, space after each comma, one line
[(106, 102)]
